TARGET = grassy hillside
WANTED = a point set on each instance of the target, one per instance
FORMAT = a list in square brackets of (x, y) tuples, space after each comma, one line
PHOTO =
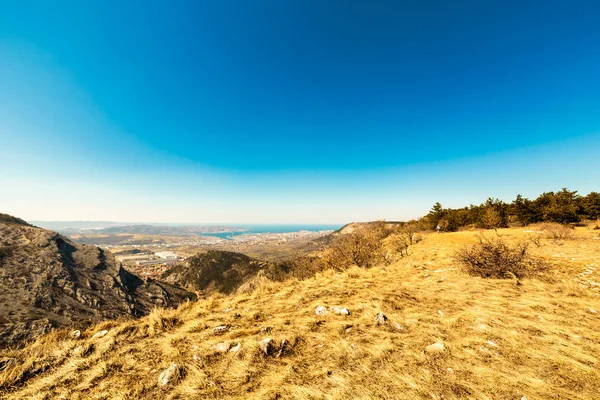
[(502, 339)]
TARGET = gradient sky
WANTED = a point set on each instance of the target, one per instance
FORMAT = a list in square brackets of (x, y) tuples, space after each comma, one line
[(293, 111)]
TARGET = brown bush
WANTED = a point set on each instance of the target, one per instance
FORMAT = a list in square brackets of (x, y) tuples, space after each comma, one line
[(556, 231), (494, 258)]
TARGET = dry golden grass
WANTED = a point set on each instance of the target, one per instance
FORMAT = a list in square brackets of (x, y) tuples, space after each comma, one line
[(538, 339)]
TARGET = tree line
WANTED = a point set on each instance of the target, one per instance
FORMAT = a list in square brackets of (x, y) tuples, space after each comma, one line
[(564, 207)]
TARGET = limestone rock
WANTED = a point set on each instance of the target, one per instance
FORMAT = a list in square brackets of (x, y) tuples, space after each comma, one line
[(169, 375), (75, 334), (100, 334), (397, 326), (435, 348), (340, 310), (222, 347), (381, 319), (320, 310), (221, 329), (266, 346)]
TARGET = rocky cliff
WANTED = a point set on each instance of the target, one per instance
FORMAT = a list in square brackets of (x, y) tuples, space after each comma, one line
[(47, 281)]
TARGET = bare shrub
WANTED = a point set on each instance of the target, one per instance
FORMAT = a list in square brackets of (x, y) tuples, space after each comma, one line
[(556, 231), (494, 258)]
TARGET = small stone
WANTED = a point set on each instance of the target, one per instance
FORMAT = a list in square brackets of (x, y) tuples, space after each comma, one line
[(221, 329), (266, 329), (75, 334), (100, 334), (320, 310), (492, 344), (197, 358), (381, 319), (348, 330), (340, 310), (222, 347), (592, 311), (450, 370), (235, 348), (441, 280), (397, 326), (227, 310), (441, 312), (266, 346), (169, 375), (285, 348), (482, 327), (523, 398), (435, 348)]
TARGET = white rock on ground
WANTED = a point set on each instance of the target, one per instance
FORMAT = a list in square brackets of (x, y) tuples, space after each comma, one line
[(397, 326), (593, 311), (340, 310), (381, 318), (491, 344), (100, 334), (266, 346), (221, 329), (320, 310), (75, 334), (235, 348), (435, 348), (168, 375), (222, 347)]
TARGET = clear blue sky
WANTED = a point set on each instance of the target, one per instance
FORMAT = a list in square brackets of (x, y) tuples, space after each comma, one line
[(293, 111)]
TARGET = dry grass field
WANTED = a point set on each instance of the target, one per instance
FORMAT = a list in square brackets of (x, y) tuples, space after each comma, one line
[(502, 338)]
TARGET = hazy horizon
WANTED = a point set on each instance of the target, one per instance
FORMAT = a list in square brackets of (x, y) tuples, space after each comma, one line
[(292, 113)]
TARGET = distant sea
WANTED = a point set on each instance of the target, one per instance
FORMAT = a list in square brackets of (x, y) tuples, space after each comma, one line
[(254, 229)]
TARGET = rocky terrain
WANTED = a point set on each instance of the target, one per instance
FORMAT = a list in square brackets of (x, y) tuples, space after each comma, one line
[(47, 281), (215, 270), (420, 327)]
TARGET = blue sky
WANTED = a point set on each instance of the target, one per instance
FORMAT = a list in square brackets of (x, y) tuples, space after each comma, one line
[(299, 111)]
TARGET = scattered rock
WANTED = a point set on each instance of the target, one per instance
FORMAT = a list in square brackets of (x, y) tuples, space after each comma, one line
[(591, 310), (320, 310), (266, 346), (266, 329), (397, 326), (441, 312), (348, 330), (169, 375), (492, 344), (221, 329), (75, 334), (237, 316), (381, 319), (435, 348), (100, 334), (285, 348), (222, 347), (227, 310), (235, 348), (340, 310), (450, 370)]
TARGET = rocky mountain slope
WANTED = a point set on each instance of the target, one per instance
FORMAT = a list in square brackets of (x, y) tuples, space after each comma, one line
[(222, 271), (47, 281), (420, 328)]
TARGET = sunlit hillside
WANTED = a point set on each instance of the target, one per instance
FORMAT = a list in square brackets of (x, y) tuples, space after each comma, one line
[(496, 338)]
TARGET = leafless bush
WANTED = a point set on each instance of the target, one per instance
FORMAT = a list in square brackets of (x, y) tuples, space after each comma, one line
[(494, 258), (556, 231)]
